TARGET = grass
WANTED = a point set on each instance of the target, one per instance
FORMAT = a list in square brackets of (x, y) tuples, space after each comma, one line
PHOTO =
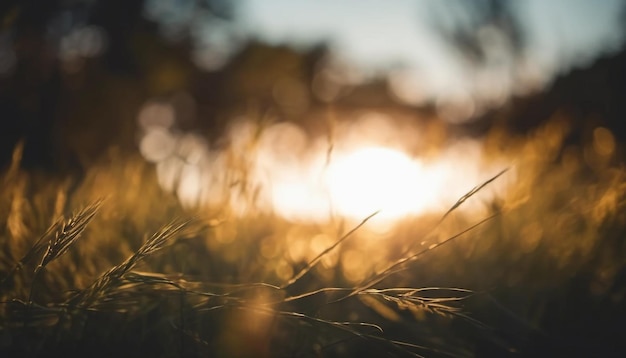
[(136, 274)]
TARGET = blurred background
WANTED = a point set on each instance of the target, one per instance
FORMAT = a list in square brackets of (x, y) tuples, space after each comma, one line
[(75, 74), (314, 110)]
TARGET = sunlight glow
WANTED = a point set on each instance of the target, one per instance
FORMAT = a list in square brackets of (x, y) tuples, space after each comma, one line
[(283, 170), (377, 178)]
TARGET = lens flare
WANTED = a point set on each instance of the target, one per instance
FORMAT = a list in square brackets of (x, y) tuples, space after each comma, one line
[(379, 179), (300, 177)]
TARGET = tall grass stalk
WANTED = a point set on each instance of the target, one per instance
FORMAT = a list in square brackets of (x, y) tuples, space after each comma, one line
[(125, 290)]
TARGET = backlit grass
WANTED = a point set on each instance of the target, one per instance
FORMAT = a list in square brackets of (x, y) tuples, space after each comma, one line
[(110, 264)]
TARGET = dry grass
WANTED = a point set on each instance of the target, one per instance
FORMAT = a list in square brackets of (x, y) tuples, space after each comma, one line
[(111, 279)]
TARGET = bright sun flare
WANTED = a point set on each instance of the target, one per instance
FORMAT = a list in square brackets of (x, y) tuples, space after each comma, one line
[(378, 178), (291, 177)]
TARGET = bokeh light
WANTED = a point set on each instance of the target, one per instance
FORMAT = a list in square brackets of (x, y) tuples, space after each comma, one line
[(157, 144), (321, 148), (79, 44), (370, 166)]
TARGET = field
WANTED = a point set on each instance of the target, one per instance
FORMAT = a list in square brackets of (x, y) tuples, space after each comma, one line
[(529, 262)]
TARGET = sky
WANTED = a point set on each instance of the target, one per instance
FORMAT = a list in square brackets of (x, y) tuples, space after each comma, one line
[(376, 34)]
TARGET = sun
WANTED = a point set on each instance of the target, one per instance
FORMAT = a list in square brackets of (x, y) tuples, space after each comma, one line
[(379, 179), (297, 181)]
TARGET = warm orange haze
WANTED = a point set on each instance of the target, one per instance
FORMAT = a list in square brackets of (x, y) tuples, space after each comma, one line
[(281, 178), (365, 167)]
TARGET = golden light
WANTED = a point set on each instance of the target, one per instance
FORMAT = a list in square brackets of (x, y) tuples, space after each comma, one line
[(379, 179), (291, 173)]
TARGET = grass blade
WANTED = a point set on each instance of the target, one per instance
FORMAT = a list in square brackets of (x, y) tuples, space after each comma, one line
[(314, 262)]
